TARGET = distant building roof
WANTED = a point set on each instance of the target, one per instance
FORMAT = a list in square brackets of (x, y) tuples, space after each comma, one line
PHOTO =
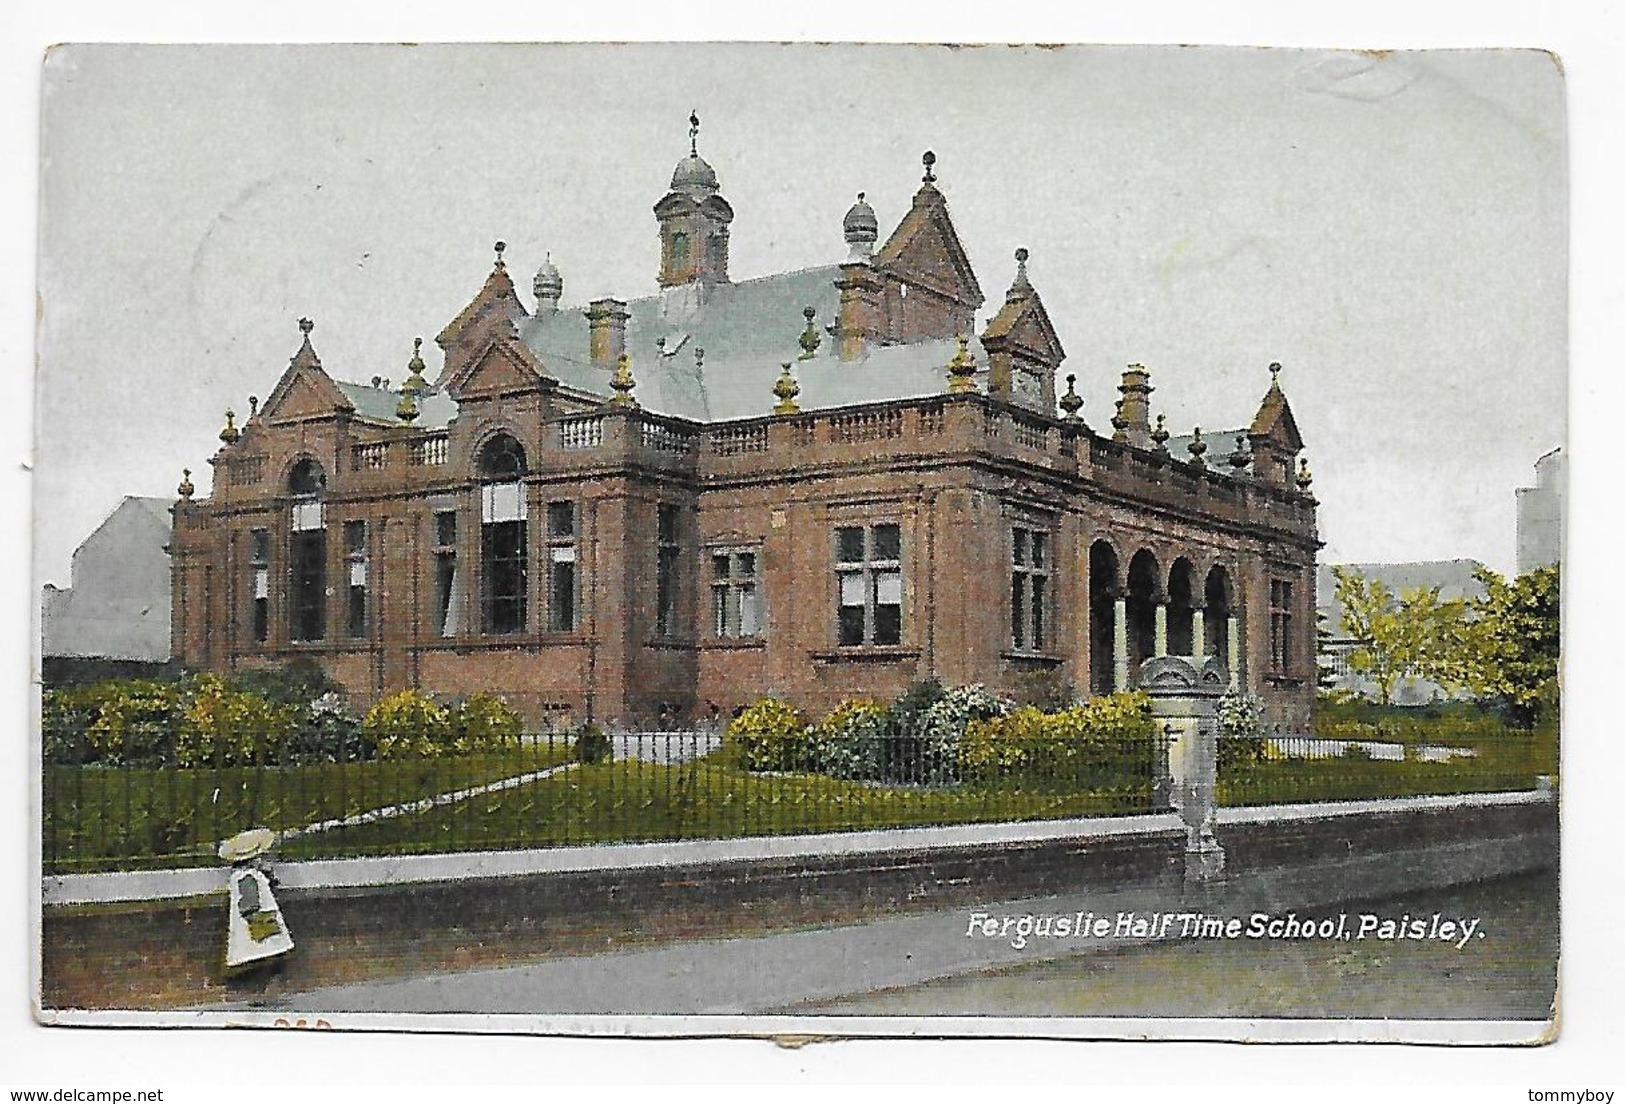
[(1454, 578)]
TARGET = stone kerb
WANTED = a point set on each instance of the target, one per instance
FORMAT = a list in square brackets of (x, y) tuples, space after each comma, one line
[(1185, 692)]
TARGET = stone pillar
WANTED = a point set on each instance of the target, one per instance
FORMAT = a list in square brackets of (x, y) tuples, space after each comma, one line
[(1233, 660), (1184, 692), (1160, 642), (1199, 632), (1120, 645)]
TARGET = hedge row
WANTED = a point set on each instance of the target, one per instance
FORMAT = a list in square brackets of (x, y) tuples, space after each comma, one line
[(259, 719)]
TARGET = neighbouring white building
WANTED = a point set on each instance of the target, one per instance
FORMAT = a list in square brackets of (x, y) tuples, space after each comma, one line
[(118, 604), (1540, 514)]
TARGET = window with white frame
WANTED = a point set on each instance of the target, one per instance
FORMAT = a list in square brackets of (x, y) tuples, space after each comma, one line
[(736, 611), (307, 559), (355, 554), (259, 565), (448, 600), (869, 582), (561, 566), (1029, 588), (668, 562), (1282, 645)]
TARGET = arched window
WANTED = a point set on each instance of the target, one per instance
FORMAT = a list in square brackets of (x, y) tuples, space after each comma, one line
[(307, 478), (504, 536), (307, 553), (502, 458), (679, 249)]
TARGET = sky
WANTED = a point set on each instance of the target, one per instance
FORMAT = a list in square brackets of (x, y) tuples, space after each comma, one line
[(1391, 228)]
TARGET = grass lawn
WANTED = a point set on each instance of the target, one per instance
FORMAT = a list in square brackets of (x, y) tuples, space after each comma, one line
[(128, 818), (1508, 762), (632, 801)]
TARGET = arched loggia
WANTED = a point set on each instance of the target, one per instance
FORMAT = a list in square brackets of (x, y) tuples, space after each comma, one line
[(1183, 600), (1105, 589), (1222, 621), (1144, 595)]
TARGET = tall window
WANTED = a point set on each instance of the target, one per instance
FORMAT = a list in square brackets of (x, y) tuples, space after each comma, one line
[(561, 566), (307, 560), (679, 249), (1281, 643), (503, 536), (259, 565), (355, 553), (668, 557), (447, 607), (735, 610), (869, 573), (1029, 588)]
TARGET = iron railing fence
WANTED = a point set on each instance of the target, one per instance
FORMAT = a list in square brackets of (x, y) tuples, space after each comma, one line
[(1291, 767), (138, 802)]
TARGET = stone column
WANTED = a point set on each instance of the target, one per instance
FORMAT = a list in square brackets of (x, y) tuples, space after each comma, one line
[(1184, 692), (1233, 660), (1120, 644), (1160, 641), (1199, 632)]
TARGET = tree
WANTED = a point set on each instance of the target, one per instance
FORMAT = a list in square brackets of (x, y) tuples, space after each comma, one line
[(1511, 646), (1414, 633)]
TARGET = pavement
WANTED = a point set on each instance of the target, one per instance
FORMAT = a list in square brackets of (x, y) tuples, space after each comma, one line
[(750, 975)]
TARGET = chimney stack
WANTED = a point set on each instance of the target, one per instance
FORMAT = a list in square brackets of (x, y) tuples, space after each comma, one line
[(606, 326), (1133, 420)]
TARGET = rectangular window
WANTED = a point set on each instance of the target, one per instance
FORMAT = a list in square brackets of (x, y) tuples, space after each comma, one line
[(735, 612), (1281, 642), (503, 552), (355, 552), (668, 559), (869, 585), (308, 568), (447, 608), (1029, 588), (259, 564), (561, 566)]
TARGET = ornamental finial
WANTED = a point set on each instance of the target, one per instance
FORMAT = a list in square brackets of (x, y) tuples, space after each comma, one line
[(415, 383), (962, 369), (1197, 447), (1159, 436), (500, 248), (1275, 374), (1305, 479), (693, 134), (230, 433), (929, 161), (1071, 402), (1020, 284), (786, 389), (253, 405), (1241, 457), (305, 326), (185, 489), (622, 382), (809, 337)]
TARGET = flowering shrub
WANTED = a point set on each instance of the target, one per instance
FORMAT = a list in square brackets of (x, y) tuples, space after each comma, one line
[(224, 727), (485, 721), (1240, 717), (128, 722), (591, 745), (1105, 742), (408, 724), (850, 742), (769, 735), (939, 728), (330, 732)]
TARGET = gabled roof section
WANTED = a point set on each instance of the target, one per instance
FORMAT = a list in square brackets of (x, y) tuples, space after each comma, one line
[(305, 389), (1274, 419), (496, 297), (1022, 323), (505, 363), (926, 248)]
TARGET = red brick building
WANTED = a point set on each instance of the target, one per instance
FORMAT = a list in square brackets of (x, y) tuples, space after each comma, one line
[(818, 484)]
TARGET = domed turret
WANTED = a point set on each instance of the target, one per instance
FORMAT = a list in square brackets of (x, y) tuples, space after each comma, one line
[(694, 222), (693, 174), (548, 285), (861, 228)]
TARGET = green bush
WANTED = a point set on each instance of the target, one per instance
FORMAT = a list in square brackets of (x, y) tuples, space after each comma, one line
[(408, 724), (127, 722), (1107, 742), (591, 745), (330, 732), (1242, 741), (484, 721), (224, 727), (850, 742), (769, 735)]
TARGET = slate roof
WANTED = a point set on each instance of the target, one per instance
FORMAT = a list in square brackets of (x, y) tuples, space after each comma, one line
[(747, 330), (376, 404)]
